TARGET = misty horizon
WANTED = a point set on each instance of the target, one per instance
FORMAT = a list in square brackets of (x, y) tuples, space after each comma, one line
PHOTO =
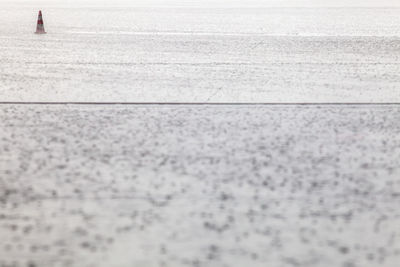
[(209, 3)]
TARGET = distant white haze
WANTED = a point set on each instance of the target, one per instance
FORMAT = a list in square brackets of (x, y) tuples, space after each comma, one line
[(213, 3)]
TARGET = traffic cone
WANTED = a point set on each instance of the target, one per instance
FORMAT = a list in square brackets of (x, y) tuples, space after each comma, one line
[(40, 26)]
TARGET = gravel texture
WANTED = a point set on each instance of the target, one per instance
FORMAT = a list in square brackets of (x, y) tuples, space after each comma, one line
[(123, 186)]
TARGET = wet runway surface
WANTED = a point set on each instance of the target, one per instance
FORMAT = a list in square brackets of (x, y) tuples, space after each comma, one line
[(199, 185)]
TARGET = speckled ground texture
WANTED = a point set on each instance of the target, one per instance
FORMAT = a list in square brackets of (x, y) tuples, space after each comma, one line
[(123, 186), (118, 54)]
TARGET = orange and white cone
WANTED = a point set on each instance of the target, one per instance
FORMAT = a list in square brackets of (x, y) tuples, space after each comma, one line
[(40, 26)]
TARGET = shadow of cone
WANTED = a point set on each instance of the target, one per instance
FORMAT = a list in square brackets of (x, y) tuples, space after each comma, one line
[(40, 26)]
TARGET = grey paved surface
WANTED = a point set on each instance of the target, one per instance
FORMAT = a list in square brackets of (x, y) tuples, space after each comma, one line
[(109, 53), (120, 186)]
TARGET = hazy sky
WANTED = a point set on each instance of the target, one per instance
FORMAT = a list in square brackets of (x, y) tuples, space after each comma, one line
[(219, 3)]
